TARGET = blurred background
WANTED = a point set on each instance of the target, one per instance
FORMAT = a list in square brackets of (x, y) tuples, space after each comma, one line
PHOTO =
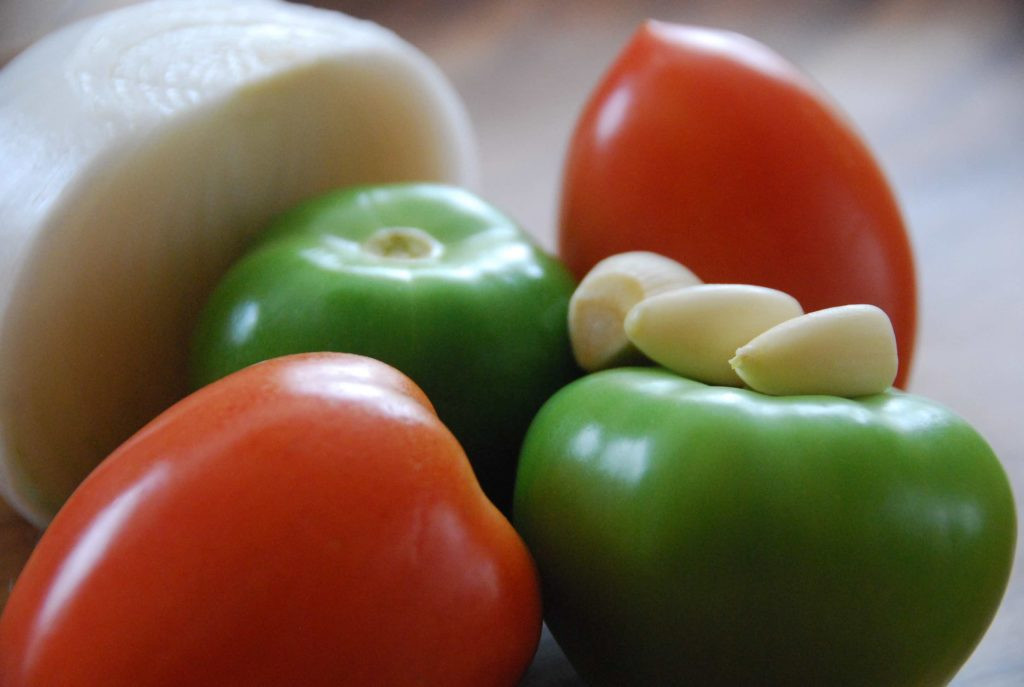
[(935, 86)]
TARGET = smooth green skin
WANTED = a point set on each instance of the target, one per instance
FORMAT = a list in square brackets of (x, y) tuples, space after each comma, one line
[(697, 535), (481, 327)]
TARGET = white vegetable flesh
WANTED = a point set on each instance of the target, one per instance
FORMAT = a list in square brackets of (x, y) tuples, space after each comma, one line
[(141, 150), (604, 297), (848, 350), (695, 331)]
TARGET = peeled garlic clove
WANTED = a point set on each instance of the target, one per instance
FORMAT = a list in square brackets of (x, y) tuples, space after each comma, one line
[(695, 331), (849, 351), (600, 303), (141, 150)]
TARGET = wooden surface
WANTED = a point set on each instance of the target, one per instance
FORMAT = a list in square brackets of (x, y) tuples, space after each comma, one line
[(937, 88)]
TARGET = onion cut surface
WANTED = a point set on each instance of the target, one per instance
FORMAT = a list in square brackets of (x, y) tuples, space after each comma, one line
[(142, 149)]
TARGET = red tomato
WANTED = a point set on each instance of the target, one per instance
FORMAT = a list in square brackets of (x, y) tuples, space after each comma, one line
[(706, 146), (305, 521)]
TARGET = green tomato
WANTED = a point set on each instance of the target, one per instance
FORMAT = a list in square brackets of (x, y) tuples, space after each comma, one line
[(427, 278), (689, 534)]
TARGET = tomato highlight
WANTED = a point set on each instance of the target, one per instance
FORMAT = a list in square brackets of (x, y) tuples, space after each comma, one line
[(305, 521), (708, 147)]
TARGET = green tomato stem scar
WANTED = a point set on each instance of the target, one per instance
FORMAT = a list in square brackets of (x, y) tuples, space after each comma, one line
[(403, 243)]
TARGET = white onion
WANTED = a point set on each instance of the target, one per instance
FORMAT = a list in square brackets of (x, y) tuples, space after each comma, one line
[(141, 149)]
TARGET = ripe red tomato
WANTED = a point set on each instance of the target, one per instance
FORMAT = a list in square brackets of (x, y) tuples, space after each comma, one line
[(305, 521), (708, 147)]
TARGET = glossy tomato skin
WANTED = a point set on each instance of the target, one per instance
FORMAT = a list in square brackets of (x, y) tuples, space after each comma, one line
[(479, 324), (718, 536), (708, 147), (306, 521)]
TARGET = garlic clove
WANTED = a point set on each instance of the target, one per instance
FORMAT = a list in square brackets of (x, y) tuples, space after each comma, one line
[(600, 303), (695, 331), (848, 351)]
